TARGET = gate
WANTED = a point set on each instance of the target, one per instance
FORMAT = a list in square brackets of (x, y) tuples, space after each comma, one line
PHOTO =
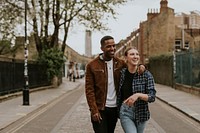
[(187, 68)]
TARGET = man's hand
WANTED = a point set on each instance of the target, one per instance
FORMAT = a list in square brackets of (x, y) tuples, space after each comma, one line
[(97, 117), (141, 68)]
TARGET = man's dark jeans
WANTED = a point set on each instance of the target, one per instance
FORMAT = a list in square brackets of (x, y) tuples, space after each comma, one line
[(108, 122)]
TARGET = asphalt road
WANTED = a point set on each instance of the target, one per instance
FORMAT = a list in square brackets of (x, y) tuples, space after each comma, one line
[(46, 118), (69, 114)]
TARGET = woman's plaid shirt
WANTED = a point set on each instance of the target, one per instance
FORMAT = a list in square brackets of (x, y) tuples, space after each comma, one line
[(143, 83)]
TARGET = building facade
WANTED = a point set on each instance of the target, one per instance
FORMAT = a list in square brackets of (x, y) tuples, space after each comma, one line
[(164, 32)]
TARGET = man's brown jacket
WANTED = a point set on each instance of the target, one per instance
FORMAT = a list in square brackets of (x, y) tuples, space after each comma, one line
[(96, 82)]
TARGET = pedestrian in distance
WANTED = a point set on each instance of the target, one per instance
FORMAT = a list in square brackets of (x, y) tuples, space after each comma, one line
[(135, 92), (101, 87)]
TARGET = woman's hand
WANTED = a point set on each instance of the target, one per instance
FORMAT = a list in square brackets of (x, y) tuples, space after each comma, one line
[(131, 100)]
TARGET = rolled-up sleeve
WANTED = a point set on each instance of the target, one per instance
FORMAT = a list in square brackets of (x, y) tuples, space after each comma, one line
[(151, 88)]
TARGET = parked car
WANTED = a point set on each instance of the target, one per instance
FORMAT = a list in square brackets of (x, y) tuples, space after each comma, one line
[(81, 73)]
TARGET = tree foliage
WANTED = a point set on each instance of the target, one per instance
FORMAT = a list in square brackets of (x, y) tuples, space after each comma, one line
[(54, 60), (47, 18), (11, 14), (4, 47), (7, 48)]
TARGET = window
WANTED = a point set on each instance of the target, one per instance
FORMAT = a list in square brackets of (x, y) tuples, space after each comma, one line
[(186, 45), (177, 44)]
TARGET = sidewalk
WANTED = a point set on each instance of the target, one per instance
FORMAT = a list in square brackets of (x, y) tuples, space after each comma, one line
[(185, 102), (12, 110)]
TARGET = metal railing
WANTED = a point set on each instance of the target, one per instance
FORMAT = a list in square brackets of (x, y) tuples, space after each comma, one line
[(12, 76), (188, 68)]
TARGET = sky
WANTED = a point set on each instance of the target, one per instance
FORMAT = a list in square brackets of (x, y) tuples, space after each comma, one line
[(128, 19)]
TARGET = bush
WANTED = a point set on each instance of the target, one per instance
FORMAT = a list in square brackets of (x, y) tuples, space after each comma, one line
[(53, 58)]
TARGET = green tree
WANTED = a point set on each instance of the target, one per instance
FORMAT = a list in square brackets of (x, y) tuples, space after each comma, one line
[(6, 47), (11, 14), (48, 18), (53, 58)]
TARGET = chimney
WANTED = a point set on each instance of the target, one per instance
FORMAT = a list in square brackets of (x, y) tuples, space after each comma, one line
[(163, 5), (88, 43)]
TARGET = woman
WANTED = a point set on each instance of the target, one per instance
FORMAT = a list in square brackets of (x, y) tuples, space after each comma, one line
[(135, 91)]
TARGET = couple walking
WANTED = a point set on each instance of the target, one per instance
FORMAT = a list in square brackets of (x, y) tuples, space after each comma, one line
[(118, 89)]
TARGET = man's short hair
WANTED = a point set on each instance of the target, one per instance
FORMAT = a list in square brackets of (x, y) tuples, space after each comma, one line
[(104, 39)]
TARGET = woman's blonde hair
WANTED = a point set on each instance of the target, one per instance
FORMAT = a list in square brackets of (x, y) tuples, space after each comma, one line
[(129, 48)]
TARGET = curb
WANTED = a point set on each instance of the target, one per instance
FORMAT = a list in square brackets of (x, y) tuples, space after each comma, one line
[(184, 112), (14, 95), (20, 93)]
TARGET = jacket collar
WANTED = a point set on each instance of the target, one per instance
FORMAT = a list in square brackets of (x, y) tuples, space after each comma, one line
[(101, 57)]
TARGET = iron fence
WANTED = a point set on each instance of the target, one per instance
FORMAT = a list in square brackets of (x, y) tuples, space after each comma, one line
[(187, 70), (12, 76)]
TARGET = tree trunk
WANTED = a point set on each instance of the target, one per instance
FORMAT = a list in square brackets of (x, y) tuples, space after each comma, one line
[(54, 81)]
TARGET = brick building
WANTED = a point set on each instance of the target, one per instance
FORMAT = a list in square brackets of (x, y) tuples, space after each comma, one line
[(73, 58), (164, 32)]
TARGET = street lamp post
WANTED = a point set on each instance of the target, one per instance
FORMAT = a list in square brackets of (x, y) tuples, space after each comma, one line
[(26, 86)]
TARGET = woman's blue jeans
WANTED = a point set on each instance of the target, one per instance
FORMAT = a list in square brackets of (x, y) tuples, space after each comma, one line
[(128, 122)]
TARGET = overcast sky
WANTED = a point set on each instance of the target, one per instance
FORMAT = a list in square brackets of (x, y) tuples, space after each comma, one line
[(130, 15)]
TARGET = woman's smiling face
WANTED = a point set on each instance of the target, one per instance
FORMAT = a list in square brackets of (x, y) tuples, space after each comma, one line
[(132, 57)]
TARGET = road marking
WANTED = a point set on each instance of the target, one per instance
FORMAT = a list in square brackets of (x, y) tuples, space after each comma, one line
[(67, 115), (157, 126), (39, 112)]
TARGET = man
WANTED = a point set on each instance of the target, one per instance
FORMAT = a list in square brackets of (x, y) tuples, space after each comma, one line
[(101, 87), (102, 81)]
